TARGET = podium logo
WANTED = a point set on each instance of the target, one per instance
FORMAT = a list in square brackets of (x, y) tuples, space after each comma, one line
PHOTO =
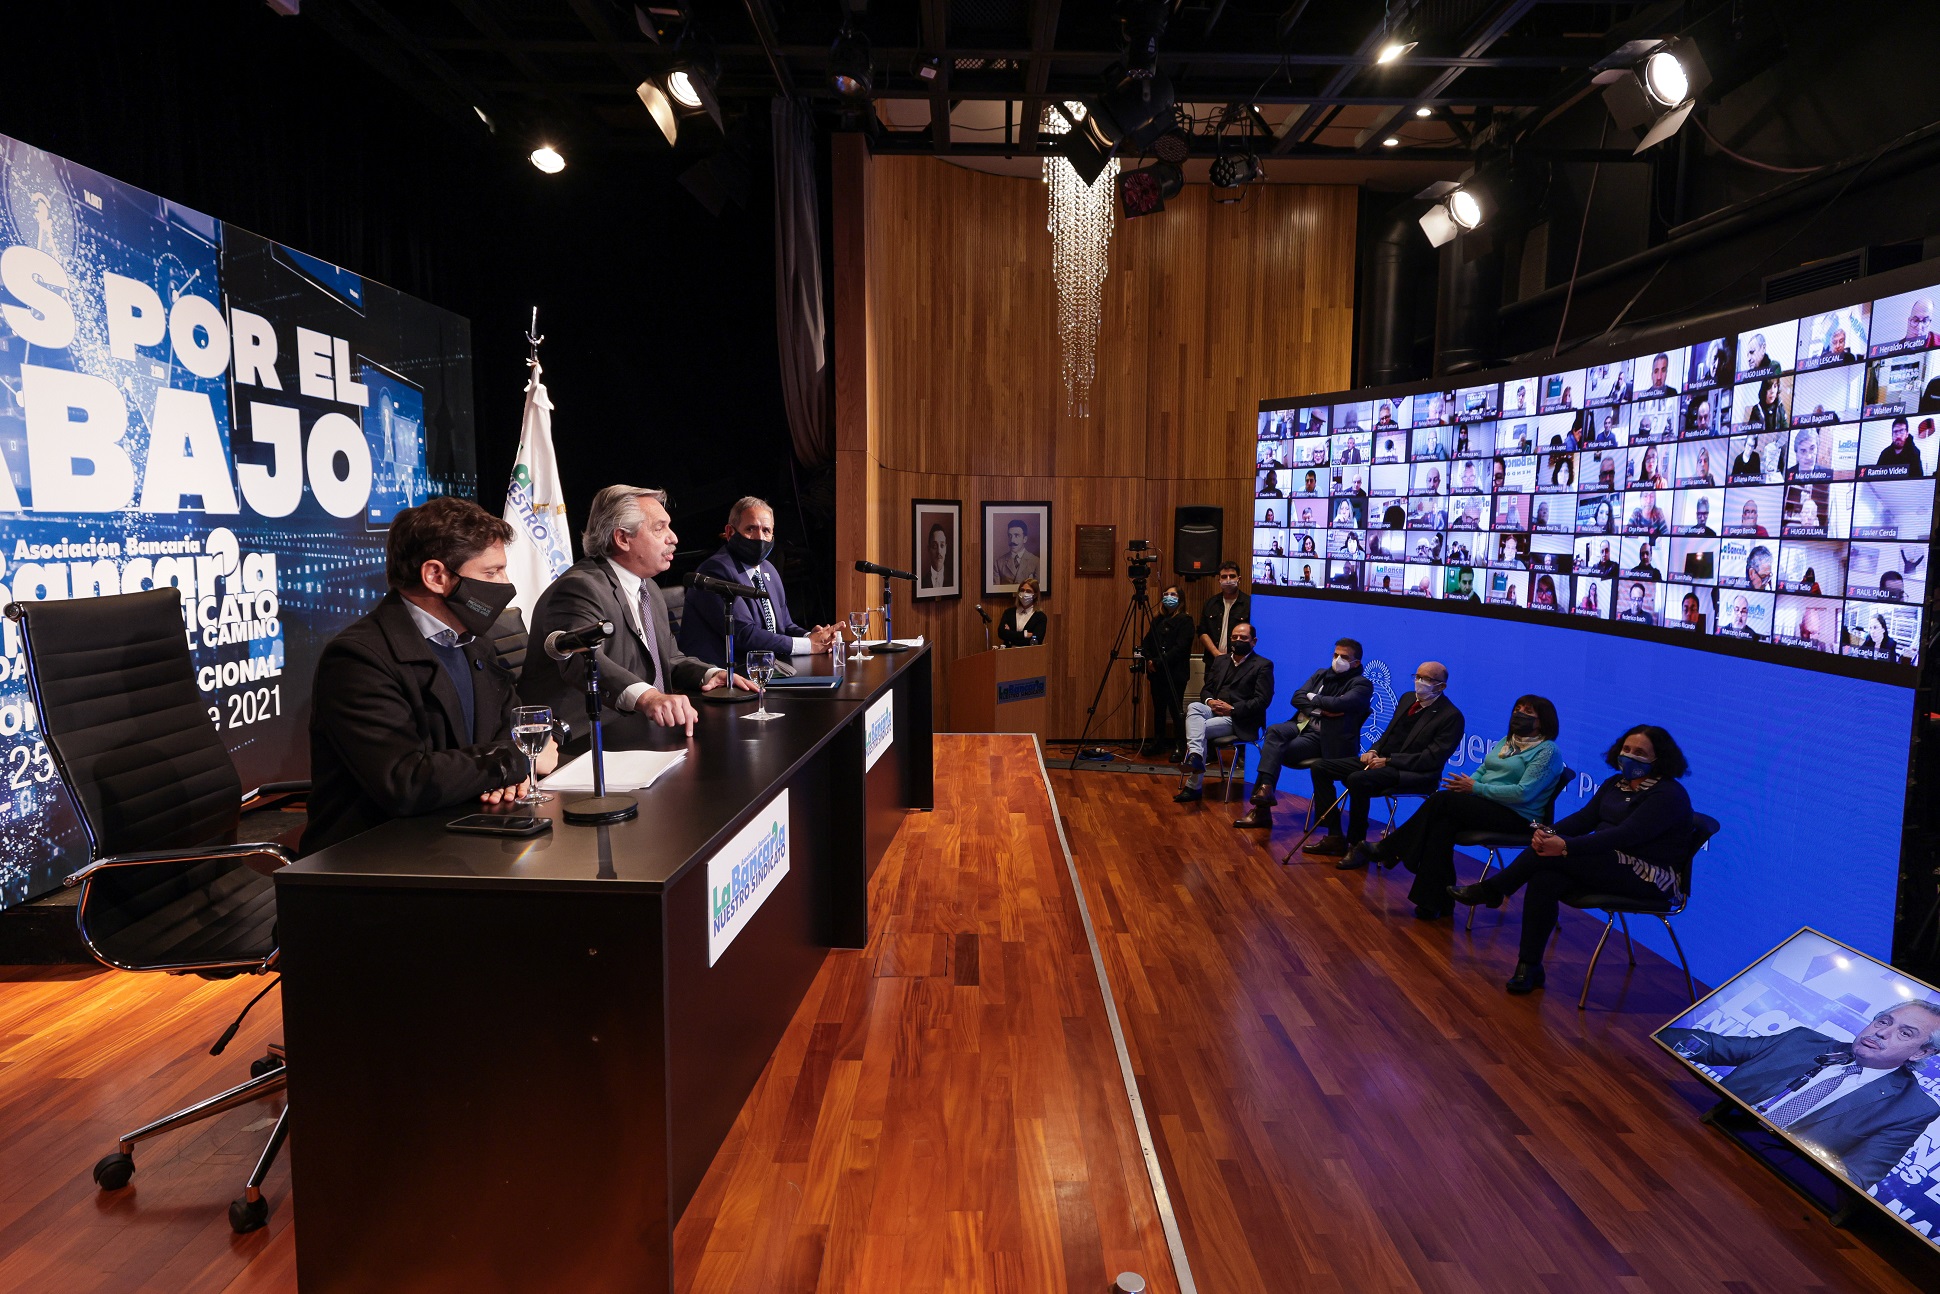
[(880, 726), (744, 872)]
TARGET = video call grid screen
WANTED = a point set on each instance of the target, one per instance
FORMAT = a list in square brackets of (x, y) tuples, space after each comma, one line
[(1772, 486)]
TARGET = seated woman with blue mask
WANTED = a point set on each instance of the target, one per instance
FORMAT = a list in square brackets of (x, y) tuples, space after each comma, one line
[(1628, 841)]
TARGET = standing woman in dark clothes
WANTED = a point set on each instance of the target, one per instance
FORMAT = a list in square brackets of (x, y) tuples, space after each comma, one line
[(1626, 841), (1167, 652)]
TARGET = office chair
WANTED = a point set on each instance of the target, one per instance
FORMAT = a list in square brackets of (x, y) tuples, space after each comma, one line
[(1619, 908), (1497, 841), (165, 888)]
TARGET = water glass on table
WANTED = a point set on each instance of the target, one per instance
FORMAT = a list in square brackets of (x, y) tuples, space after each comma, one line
[(859, 626), (532, 729), (761, 668)]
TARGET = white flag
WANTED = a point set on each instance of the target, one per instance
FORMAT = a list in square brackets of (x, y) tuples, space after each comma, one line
[(535, 508)]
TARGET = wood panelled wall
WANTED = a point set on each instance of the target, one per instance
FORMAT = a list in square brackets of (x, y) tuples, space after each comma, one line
[(948, 381)]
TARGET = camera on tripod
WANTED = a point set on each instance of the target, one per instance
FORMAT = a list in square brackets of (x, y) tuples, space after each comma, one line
[(1140, 558)]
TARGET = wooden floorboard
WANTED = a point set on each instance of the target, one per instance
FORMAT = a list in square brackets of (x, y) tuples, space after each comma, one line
[(1343, 1099), (1346, 1099)]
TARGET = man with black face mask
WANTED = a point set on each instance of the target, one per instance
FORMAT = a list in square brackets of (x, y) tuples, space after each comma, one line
[(1328, 711), (629, 539), (1423, 732), (764, 626), (1239, 687), (412, 709)]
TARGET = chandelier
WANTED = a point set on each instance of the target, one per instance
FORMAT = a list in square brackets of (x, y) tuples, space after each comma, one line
[(1081, 219)]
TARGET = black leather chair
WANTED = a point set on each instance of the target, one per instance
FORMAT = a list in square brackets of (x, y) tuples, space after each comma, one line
[(1497, 841), (1618, 908), (166, 886)]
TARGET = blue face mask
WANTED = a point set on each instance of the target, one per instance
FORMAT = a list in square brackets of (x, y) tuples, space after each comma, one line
[(1169, 602), (1633, 768)]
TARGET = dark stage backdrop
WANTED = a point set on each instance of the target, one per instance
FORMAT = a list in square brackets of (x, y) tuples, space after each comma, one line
[(659, 316)]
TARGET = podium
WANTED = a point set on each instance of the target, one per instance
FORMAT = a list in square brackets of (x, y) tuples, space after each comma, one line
[(1005, 689)]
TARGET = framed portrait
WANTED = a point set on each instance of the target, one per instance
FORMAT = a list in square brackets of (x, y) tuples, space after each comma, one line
[(1016, 545), (936, 530)]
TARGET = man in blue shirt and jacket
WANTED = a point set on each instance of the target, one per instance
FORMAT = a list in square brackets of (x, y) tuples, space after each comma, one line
[(758, 625)]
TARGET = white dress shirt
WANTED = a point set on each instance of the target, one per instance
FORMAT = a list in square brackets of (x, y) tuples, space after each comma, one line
[(630, 585), (434, 629), (796, 646)]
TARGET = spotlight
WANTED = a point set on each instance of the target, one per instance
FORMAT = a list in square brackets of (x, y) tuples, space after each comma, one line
[(850, 72), (1391, 142), (548, 159), (1651, 87), (1143, 192), (1233, 171), (1424, 112), (681, 87), (1394, 49), (660, 108), (1135, 110), (1458, 209)]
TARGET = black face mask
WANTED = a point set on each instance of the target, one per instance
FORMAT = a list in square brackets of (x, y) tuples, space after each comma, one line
[(478, 603), (1521, 725), (749, 552), (1242, 650)]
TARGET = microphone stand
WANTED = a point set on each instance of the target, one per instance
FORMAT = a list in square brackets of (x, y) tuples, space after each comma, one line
[(728, 694), (889, 642), (599, 807), (985, 616)]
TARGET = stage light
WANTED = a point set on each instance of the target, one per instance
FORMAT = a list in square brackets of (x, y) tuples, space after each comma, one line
[(1458, 209), (548, 159), (1665, 79), (1424, 112), (660, 108), (1391, 142), (1393, 50), (1652, 86), (850, 72), (1234, 171), (1133, 110), (681, 86)]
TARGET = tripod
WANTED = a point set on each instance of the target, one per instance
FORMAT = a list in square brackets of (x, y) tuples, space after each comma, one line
[(1138, 622)]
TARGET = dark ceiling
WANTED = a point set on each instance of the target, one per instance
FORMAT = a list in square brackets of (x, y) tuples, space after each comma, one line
[(1295, 77)]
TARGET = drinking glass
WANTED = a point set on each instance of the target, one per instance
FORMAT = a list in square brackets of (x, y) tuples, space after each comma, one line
[(761, 668), (532, 729), (859, 626)]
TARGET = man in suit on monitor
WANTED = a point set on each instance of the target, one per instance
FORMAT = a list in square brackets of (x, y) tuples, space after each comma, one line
[(1857, 1102), (629, 539), (762, 626)]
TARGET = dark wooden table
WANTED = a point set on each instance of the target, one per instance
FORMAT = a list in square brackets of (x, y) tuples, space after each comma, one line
[(511, 1061)]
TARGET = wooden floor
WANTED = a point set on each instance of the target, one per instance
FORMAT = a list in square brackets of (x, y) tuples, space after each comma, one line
[(1344, 1100)]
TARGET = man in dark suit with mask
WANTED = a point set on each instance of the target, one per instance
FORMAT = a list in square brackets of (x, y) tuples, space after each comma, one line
[(1408, 757), (1328, 711), (629, 539), (1856, 1102), (412, 708), (1238, 688), (758, 626)]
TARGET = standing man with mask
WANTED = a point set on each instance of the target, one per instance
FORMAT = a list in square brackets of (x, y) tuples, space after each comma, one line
[(1222, 611), (1328, 711), (1239, 687), (1408, 758), (629, 539), (412, 710), (758, 625)]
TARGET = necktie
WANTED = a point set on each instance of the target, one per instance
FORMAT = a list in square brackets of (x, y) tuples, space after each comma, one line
[(767, 604), (1790, 1111), (652, 639)]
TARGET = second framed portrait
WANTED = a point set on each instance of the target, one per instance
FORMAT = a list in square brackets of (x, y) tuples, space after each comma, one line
[(1016, 545), (936, 528)]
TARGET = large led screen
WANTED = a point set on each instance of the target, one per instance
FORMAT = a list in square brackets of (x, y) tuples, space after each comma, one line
[(1761, 491), (186, 403), (1839, 1054)]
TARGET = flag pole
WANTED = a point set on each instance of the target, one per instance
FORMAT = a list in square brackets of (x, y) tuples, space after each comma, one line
[(533, 339)]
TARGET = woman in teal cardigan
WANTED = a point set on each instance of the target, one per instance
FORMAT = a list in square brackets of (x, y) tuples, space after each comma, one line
[(1511, 789)]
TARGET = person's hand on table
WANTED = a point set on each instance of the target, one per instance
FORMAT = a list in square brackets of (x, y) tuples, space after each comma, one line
[(1458, 782), (669, 709), (505, 794), (823, 637)]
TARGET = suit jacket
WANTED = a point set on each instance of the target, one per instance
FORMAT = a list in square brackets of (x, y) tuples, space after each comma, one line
[(1033, 632), (1247, 687), (1352, 694), (1867, 1131), (589, 591), (703, 633), (1424, 744), (387, 735)]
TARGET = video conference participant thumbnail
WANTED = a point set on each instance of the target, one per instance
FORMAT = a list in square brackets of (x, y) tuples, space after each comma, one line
[(1745, 615), (1882, 631), (412, 708)]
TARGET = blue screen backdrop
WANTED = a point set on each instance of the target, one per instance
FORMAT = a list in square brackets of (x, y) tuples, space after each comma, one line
[(1805, 770)]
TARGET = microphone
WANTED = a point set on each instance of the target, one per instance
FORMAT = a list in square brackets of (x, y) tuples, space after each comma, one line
[(887, 572), (563, 643), (982, 614), (726, 588)]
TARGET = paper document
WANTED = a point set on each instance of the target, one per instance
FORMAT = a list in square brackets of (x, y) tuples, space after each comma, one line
[(626, 770), (917, 641)]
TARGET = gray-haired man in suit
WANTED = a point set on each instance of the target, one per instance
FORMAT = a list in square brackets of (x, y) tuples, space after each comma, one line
[(629, 539), (1857, 1102)]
